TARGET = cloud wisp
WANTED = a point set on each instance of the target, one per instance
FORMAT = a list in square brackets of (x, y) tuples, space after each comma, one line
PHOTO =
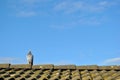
[(63, 6), (26, 14), (8, 59), (85, 13), (75, 6), (25, 8), (112, 61), (90, 12), (80, 22)]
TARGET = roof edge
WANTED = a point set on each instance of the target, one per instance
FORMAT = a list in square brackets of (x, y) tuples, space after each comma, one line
[(51, 66)]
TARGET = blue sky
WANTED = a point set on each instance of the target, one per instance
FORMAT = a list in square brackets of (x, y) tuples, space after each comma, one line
[(80, 32)]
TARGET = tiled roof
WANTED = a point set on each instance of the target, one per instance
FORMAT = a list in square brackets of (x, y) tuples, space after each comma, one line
[(58, 72)]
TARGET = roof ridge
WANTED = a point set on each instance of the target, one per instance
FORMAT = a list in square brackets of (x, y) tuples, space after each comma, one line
[(52, 66)]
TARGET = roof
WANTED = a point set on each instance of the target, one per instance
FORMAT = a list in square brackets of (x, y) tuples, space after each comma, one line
[(58, 72)]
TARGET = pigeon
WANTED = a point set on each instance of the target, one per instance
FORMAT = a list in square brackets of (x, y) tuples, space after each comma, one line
[(30, 58)]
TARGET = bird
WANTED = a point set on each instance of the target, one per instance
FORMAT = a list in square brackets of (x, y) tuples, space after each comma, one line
[(30, 58)]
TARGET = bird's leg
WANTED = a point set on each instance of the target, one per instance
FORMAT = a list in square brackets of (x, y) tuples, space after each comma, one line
[(30, 65)]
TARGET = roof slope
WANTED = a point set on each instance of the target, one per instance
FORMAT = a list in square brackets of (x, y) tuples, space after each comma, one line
[(58, 72)]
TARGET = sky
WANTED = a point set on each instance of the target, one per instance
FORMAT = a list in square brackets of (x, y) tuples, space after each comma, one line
[(60, 32)]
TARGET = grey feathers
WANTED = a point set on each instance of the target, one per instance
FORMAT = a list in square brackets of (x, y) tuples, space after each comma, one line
[(30, 58)]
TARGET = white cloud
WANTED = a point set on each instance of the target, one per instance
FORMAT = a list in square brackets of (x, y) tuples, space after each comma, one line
[(103, 3), (112, 61), (83, 9), (68, 7), (94, 21), (74, 6), (80, 22), (64, 6), (25, 8), (8, 59)]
